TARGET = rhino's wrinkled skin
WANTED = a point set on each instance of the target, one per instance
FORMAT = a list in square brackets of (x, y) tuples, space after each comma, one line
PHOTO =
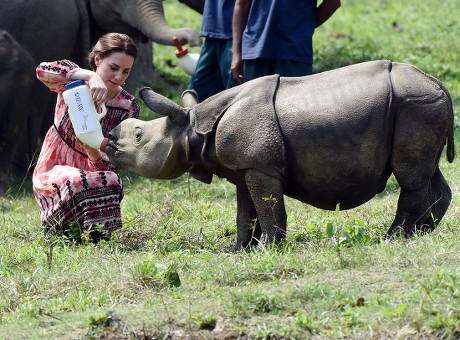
[(326, 139)]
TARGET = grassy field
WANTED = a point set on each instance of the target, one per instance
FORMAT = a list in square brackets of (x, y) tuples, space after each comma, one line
[(170, 273)]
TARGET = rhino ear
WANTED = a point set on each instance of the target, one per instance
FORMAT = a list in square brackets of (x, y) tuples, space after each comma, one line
[(162, 105)]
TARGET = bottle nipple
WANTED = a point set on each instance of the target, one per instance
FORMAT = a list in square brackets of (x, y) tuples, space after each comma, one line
[(104, 144), (181, 51)]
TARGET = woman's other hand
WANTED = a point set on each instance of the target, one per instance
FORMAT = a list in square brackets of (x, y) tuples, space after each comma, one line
[(94, 155)]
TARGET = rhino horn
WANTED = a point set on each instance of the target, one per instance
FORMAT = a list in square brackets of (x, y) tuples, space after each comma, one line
[(162, 105)]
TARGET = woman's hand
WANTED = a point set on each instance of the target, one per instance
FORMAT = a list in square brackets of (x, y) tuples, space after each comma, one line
[(94, 155), (97, 87)]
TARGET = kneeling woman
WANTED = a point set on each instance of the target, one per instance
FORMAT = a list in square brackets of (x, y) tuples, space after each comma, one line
[(74, 184)]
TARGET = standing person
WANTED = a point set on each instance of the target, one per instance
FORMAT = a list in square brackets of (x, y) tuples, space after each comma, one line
[(74, 184), (212, 73), (276, 36)]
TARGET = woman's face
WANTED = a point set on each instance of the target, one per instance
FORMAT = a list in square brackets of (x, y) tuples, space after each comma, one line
[(114, 69)]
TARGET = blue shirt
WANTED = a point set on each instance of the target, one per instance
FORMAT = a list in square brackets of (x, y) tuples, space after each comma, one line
[(217, 19), (280, 29)]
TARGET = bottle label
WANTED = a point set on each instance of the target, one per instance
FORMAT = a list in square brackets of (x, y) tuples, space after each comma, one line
[(82, 112)]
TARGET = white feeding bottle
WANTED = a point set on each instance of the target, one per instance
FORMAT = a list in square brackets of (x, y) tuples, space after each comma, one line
[(83, 115), (187, 61)]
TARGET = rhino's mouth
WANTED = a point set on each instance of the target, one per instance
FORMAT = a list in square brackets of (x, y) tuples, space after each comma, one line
[(112, 151)]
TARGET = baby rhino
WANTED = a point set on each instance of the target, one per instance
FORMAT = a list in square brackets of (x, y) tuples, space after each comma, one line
[(328, 139)]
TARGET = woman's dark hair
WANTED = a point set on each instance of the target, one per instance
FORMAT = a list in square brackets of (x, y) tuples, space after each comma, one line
[(109, 43)]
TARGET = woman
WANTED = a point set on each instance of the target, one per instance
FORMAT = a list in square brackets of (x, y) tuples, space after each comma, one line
[(75, 185)]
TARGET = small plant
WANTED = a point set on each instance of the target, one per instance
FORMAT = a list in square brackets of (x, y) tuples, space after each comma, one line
[(151, 274), (72, 233), (206, 321), (264, 334), (97, 323), (258, 302), (353, 230), (306, 321), (354, 233), (103, 323)]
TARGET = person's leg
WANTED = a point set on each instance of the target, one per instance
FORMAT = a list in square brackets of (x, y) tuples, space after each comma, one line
[(206, 79)]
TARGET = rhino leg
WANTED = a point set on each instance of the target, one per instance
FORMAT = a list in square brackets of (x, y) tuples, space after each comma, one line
[(267, 194), (413, 211), (422, 210), (422, 123), (441, 196), (248, 226)]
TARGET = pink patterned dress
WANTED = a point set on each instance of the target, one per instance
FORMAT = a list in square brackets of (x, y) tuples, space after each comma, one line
[(68, 187)]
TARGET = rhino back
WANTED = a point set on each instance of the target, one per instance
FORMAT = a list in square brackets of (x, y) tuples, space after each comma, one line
[(337, 128)]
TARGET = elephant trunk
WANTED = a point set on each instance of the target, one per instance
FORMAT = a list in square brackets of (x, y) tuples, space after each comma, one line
[(148, 17)]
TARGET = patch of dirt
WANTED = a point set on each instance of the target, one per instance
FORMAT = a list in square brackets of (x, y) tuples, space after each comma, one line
[(173, 332)]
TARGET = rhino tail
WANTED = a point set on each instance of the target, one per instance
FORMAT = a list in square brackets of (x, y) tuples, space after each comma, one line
[(451, 144), (450, 152), (450, 133)]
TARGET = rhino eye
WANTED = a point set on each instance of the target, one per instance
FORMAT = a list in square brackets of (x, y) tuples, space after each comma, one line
[(137, 135)]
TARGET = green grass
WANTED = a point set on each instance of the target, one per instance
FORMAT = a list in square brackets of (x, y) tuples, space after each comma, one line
[(170, 271)]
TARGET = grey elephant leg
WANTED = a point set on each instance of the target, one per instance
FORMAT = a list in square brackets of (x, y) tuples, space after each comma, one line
[(413, 211), (248, 226), (267, 193)]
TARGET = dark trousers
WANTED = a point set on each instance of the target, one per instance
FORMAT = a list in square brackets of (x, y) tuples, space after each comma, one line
[(212, 74)]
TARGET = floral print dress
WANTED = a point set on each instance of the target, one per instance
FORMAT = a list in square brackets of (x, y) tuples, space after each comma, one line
[(69, 187)]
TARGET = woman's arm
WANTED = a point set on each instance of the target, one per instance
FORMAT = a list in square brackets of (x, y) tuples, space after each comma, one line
[(56, 74)]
